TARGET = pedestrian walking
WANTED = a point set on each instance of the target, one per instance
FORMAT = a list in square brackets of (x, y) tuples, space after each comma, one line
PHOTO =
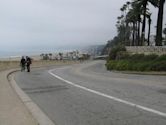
[(22, 63), (28, 63)]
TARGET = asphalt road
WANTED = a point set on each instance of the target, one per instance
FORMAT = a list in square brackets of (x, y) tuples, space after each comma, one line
[(87, 94)]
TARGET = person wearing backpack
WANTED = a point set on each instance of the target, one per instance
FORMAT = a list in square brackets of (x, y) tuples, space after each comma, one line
[(22, 63), (28, 63)]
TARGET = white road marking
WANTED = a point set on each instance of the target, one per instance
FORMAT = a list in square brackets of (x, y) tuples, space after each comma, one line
[(108, 96)]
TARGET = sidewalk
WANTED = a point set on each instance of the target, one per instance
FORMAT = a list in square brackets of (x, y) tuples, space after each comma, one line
[(12, 109)]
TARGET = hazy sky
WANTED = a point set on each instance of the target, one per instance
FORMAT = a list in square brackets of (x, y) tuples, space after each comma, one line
[(48, 24)]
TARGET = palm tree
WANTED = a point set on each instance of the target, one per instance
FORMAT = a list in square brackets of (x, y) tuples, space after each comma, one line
[(123, 9), (128, 4), (149, 22), (42, 55), (137, 11), (127, 32), (138, 29), (122, 24), (160, 23), (121, 27), (61, 56), (130, 18), (50, 56), (133, 17), (143, 5), (164, 32)]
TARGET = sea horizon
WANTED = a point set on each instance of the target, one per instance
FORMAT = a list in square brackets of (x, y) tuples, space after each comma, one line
[(13, 54), (10, 54), (33, 52)]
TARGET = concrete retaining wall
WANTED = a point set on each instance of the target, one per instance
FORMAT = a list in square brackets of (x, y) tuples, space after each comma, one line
[(159, 50)]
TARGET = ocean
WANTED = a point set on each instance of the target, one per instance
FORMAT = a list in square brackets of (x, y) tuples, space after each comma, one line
[(10, 54)]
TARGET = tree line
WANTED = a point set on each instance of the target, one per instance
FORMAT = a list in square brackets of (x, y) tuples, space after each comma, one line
[(131, 24)]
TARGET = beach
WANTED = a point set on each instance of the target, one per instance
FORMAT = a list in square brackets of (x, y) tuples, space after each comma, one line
[(12, 64)]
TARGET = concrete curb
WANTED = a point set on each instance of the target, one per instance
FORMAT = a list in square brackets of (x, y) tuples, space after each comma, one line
[(36, 112)]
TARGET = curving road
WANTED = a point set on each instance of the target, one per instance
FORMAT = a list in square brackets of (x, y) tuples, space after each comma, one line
[(87, 94)]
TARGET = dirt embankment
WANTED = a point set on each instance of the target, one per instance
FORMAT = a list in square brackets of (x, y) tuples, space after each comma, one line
[(4, 65)]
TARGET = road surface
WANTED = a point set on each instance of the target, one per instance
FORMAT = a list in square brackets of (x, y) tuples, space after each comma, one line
[(88, 94)]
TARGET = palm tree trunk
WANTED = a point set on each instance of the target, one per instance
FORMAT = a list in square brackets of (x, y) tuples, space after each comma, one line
[(127, 33), (160, 24), (136, 33), (143, 25), (139, 21), (149, 30), (133, 42)]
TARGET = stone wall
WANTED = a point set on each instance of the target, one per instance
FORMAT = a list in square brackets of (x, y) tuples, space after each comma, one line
[(159, 50)]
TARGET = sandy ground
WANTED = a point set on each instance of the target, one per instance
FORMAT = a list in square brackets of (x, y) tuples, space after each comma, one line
[(4, 65)]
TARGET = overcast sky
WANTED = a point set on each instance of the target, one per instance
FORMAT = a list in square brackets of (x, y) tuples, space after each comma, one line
[(49, 24)]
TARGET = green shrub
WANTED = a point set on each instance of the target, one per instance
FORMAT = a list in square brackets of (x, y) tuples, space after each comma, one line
[(150, 57), (138, 62), (143, 66), (137, 57), (122, 65), (131, 66), (122, 55), (111, 65), (158, 66), (161, 58), (114, 51)]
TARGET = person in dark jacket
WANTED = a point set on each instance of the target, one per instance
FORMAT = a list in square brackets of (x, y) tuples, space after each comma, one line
[(22, 63), (28, 63)]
